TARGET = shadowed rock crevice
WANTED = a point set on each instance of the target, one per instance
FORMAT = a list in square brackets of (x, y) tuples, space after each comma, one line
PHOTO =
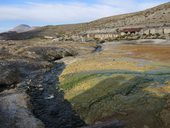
[(4, 86)]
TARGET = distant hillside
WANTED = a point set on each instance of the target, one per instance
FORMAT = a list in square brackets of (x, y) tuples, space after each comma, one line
[(21, 28), (156, 16)]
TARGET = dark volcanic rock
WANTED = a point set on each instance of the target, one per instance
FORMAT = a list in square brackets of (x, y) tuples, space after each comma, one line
[(9, 76), (12, 35), (14, 112), (48, 103), (14, 72), (29, 87), (52, 53)]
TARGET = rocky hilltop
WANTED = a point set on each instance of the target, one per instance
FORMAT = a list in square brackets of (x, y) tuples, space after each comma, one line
[(156, 16)]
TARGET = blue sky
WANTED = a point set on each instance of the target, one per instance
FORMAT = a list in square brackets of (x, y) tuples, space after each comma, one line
[(54, 12)]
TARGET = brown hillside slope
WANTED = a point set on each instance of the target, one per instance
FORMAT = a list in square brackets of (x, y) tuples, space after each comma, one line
[(156, 16)]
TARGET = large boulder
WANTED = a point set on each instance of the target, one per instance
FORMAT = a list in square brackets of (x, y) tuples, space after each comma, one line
[(9, 76)]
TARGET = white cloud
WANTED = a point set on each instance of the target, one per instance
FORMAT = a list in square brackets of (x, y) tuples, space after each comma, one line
[(69, 12), (130, 5), (55, 12)]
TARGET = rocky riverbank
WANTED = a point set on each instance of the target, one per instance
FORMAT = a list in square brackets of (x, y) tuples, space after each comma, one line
[(29, 88)]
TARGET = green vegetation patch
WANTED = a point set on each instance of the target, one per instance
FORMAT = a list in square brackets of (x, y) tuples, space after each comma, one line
[(130, 97), (71, 82)]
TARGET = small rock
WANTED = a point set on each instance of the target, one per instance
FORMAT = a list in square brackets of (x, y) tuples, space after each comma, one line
[(49, 97), (41, 89), (39, 86), (145, 126), (29, 82)]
